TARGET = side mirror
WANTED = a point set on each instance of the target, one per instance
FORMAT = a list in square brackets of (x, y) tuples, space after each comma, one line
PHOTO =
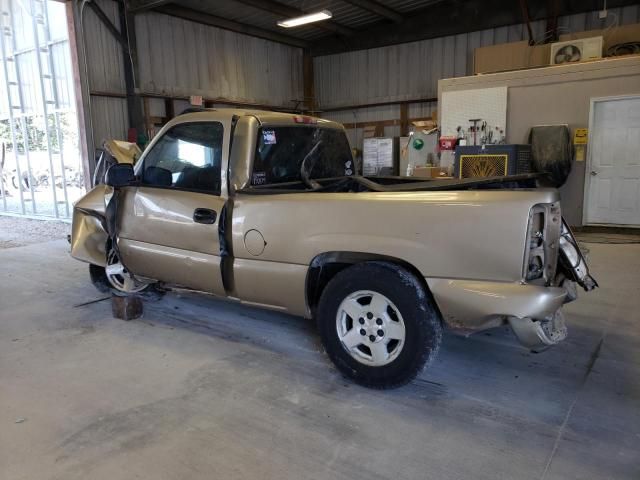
[(120, 175)]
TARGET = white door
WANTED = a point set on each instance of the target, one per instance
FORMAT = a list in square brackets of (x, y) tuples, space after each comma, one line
[(612, 184)]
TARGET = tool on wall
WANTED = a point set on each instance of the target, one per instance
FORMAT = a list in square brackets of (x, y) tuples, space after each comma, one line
[(474, 129), (483, 130), (480, 133)]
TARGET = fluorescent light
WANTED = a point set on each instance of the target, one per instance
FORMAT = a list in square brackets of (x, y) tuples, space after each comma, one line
[(304, 19)]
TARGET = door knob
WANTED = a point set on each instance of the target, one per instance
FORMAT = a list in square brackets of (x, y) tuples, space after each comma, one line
[(593, 174), (204, 215)]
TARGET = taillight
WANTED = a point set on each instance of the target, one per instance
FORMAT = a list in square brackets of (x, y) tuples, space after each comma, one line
[(534, 267), (541, 252)]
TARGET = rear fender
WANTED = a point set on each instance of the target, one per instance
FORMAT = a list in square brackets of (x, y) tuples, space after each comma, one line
[(326, 265)]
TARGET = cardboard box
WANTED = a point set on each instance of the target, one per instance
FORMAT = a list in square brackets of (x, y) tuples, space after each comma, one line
[(611, 37), (510, 56), (431, 172), (372, 131), (425, 124), (518, 55)]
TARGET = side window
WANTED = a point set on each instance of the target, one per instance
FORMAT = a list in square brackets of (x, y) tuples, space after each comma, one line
[(188, 156)]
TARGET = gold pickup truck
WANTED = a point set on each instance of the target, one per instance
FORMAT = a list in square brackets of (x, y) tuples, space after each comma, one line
[(268, 209)]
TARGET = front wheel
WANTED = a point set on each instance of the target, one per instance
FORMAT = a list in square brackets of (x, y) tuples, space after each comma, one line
[(115, 278), (120, 278), (378, 325)]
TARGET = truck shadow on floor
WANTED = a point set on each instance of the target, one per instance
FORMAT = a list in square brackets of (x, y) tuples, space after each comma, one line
[(490, 364)]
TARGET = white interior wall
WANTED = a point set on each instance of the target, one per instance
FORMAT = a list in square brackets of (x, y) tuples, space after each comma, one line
[(557, 95)]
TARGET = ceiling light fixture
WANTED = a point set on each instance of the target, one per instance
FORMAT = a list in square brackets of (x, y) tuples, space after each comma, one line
[(304, 19)]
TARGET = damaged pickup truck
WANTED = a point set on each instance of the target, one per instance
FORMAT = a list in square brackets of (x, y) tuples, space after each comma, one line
[(267, 209)]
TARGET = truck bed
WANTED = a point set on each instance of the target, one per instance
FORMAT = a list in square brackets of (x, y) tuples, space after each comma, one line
[(399, 184)]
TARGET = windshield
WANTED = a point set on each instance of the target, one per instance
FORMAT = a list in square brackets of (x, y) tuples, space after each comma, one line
[(281, 150)]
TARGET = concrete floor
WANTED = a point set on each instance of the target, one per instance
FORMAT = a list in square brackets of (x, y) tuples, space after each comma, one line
[(18, 231), (200, 388)]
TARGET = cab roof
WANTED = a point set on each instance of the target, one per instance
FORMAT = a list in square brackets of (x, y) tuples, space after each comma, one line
[(265, 117)]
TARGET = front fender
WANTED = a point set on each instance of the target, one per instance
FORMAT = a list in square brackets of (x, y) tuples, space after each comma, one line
[(88, 233)]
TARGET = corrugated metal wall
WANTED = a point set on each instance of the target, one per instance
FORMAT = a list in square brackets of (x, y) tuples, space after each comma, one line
[(109, 118), (104, 53), (370, 114), (182, 58), (412, 70), (105, 73)]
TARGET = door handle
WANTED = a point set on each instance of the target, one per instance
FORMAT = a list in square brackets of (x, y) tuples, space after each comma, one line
[(204, 215), (593, 174)]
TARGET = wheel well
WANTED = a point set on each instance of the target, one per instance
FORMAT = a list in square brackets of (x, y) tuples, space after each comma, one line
[(326, 265)]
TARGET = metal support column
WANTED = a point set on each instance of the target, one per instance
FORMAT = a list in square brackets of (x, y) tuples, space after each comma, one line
[(134, 102), (308, 85), (9, 60), (7, 33), (43, 95), (44, 15), (82, 97), (23, 115)]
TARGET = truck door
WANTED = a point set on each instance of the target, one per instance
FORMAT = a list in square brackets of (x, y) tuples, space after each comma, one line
[(169, 224)]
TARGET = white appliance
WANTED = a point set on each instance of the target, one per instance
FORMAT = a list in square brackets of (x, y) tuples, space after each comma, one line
[(573, 51), (419, 149), (379, 156)]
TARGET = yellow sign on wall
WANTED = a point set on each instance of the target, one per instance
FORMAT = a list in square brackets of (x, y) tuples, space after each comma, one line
[(580, 136)]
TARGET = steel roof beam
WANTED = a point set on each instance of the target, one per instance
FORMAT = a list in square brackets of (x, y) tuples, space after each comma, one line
[(215, 21), (377, 8), (138, 6), (453, 17)]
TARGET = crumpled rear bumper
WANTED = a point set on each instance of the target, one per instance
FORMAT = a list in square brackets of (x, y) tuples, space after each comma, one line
[(539, 334), (469, 306)]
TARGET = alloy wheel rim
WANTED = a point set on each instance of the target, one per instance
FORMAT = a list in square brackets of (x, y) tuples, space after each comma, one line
[(370, 328), (119, 277)]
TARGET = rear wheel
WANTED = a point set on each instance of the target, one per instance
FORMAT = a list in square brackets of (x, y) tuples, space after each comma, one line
[(378, 325)]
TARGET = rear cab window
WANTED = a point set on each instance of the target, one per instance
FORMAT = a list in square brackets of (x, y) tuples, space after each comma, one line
[(280, 152)]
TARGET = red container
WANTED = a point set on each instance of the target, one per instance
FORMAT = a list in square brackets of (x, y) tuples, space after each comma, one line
[(448, 143)]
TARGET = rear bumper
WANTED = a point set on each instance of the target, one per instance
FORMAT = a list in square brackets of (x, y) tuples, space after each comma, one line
[(469, 306), (539, 334)]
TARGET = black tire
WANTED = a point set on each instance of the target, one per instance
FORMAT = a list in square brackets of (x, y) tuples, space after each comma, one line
[(17, 184), (423, 327), (99, 278)]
